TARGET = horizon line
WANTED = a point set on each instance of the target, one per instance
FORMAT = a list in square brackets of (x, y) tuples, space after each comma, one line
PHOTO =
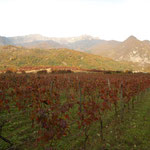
[(96, 37)]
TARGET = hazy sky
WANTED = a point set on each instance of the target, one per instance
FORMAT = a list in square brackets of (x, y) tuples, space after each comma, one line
[(106, 19)]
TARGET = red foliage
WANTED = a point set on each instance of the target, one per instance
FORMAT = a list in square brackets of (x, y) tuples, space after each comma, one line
[(91, 93)]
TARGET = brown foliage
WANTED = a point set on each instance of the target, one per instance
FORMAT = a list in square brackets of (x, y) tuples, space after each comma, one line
[(42, 72), (62, 71)]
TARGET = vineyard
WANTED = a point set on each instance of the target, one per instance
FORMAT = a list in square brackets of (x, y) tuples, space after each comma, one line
[(65, 111)]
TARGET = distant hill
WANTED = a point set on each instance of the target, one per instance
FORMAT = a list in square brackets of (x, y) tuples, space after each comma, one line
[(17, 40), (12, 56), (48, 44), (106, 49), (5, 41), (84, 45), (131, 49)]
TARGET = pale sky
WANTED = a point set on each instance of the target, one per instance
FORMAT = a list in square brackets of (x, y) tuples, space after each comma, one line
[(106, 19)]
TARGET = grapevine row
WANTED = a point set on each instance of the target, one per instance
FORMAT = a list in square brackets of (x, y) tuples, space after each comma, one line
[(67, 104)]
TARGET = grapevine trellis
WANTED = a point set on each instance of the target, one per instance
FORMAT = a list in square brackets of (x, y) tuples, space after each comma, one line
[(65, 105)]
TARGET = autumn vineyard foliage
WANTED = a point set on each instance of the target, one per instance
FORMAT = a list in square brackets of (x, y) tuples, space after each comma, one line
[(68, 105)]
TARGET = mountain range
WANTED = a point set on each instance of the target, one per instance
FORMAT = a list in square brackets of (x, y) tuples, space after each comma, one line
[(130, 50), (82, 43)]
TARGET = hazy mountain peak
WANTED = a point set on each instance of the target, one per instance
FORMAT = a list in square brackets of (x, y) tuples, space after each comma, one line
[(131, 38), (80, 38), (87, 37)]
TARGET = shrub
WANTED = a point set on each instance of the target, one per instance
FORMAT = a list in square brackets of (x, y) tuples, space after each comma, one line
[(9, 72), (23, 72), (42, 72), (62, 71)]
